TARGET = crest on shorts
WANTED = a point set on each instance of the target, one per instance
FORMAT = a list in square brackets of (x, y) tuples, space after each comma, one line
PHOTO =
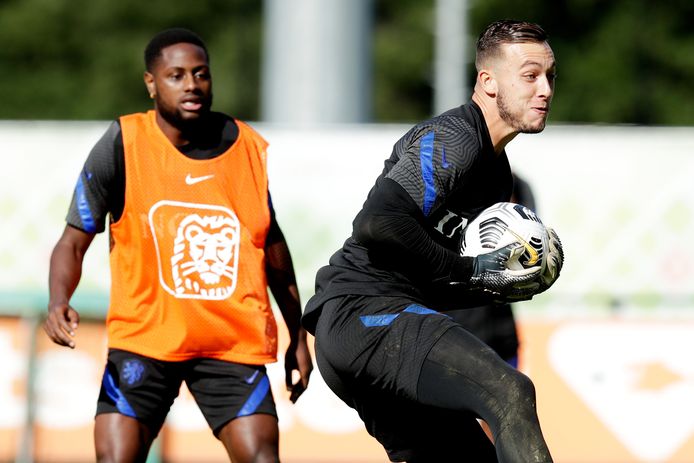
[(132, 371), (197, 249)]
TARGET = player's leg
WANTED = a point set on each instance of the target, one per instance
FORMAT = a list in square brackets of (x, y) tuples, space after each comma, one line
[(513, 361), (462, 373), (415, 433), (495, 325), (119, 438), (368, 350), (237, 403), (136, 394), (253, 438), (408, 431)]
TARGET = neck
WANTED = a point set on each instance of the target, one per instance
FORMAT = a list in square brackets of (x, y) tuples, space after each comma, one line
[(499, 131), (179, 133)]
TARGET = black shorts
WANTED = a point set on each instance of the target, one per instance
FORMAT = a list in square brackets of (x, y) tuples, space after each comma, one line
[(144, 388), (370, 352)]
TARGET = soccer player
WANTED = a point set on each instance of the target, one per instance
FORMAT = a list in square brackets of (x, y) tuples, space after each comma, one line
[(194, 246), (383, 341)]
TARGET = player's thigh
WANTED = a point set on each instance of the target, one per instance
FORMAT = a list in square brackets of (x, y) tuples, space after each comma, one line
[(135, 397), (252, 438), (120, 438), (462, 373), (226, 392)]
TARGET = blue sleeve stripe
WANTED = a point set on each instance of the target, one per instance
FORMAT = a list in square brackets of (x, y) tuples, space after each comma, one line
[(83, 207), (117, 396), (256, 397), (426, 159)]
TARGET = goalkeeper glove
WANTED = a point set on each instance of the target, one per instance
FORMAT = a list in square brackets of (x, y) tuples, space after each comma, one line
[(491, 274), (555, 261)]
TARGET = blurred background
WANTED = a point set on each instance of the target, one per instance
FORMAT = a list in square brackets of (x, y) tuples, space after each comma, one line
[(332, 84), (621, 62)]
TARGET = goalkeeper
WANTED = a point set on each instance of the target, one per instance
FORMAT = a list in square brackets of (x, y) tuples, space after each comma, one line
[(383, 342)]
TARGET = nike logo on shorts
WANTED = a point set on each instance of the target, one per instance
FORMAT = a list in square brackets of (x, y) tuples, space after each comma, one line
[(190, 180), (251, 379)]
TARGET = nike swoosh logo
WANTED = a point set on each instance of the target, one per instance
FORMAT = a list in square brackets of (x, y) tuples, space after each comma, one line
[(534, 256), (190, 180), (444, 162), (251, 379)]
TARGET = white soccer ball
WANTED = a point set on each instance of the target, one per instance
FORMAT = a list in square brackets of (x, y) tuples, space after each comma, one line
[(503, 224)]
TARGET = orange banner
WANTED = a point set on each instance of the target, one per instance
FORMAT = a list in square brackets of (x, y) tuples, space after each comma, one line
[(614, 391)]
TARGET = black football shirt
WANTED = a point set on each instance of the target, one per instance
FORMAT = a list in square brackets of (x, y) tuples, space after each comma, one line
[(405, 240)]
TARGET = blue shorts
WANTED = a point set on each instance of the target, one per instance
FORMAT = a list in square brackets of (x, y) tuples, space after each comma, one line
[(144, 388)]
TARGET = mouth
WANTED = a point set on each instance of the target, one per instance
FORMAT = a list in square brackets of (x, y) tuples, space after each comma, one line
[(542, 110), (191, 105)]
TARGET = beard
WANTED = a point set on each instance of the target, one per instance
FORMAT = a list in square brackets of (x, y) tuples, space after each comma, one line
[(183, 122), (514, 119)]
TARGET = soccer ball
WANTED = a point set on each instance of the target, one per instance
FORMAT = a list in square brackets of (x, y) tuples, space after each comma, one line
[(503, 224)]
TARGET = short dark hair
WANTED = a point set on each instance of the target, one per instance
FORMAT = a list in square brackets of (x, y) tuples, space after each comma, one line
[(167, 38), (506, 31)]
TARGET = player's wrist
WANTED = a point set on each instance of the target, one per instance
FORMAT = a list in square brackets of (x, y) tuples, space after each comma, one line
[(462, 270)]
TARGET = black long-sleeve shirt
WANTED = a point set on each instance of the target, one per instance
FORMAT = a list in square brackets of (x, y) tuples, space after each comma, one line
[(405, 240)]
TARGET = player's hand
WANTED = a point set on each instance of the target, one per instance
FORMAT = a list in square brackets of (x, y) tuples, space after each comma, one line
[(491, 274), (298, 358), (520, 293), (555, 262), (61, 324)]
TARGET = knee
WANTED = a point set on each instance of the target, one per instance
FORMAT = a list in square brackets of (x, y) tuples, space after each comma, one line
[(119, 454), (266, 454), (519, 391), (522, 385), (267, 457)]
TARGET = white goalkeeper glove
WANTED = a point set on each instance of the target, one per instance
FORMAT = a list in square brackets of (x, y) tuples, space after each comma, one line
[(491, 274), (555, 261)]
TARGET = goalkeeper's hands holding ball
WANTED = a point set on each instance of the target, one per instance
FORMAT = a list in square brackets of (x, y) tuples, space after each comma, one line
[(491, 274)]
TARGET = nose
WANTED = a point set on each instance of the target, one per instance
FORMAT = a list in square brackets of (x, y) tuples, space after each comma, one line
[(546, 87), (190, 83)]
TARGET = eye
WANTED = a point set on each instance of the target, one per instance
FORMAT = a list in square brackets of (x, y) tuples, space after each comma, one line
[(202, 75), (530, 76)]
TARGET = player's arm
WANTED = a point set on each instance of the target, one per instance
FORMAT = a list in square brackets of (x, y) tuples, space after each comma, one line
[(98, 192), (282, 282), (392, 224), (63, 277)]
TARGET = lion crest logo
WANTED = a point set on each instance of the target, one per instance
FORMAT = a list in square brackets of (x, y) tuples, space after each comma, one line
[(203, 251)]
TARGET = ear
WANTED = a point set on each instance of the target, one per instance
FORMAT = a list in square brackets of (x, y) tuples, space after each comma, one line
[(149, 83), (487, 82)]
